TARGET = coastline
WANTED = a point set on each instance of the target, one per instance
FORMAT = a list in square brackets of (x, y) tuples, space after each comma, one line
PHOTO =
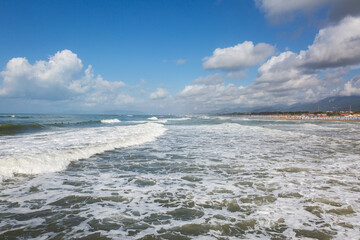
[(309, 118)]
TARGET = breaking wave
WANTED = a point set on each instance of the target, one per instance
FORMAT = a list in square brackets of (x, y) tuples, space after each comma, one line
[(115, 120), (53, 151)]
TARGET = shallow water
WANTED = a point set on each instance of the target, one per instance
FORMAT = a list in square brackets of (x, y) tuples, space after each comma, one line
[(183, 178)]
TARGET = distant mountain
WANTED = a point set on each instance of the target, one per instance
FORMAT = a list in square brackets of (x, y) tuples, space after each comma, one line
[(275, 108), (339, 103), (230, 110)]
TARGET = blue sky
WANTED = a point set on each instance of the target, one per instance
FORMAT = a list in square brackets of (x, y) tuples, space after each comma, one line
[(175, 56)]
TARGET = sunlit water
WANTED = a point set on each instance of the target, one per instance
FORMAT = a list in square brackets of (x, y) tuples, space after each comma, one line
[(141, 177)]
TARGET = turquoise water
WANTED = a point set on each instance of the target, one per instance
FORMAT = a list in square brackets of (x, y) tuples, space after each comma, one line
[(177, 177)]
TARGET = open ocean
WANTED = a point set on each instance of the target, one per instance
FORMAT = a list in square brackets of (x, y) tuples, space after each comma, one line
[(178, 177)]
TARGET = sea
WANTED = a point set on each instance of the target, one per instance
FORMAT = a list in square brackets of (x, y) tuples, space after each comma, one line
[(178, 177)]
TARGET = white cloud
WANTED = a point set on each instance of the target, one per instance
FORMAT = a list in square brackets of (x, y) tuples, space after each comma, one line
[(210, 79), (280, 69), (282, 79), (240, 56), (338, 9), (335, 46), (273, 8), (210, 95), (290, 77), (352, 87), (43, 80), (60, 78), (159, 94), (331, 79), (123, 98), (236, 75), (181, 61)]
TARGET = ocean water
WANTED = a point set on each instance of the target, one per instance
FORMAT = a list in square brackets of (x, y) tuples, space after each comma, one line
[(178, 177)]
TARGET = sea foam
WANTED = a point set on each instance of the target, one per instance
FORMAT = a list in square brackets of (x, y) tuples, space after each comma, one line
[(115, 120), (53, 151)]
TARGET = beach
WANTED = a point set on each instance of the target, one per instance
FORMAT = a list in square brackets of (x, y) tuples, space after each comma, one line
[(307, 117)]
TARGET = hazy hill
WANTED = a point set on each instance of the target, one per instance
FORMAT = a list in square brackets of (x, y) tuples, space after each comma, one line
[(339, 103)]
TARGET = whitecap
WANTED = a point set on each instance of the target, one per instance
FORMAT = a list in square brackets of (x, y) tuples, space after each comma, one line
[(53, 151), (179, 119), (115, 120)]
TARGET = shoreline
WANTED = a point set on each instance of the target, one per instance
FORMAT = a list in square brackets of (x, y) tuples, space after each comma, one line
[(310, 118)]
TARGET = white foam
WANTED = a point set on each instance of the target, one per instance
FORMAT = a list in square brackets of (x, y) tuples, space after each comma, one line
[(234, 161), (162, 121), (115, 120), (165, 120), (53, 151), (179, 119), (137, 122)]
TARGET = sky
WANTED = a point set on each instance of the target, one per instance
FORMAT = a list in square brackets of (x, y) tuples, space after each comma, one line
[(179, 56)]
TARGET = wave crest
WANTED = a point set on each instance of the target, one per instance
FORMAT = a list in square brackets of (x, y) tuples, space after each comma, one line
[(153, 118), (53, 151), (115, 120)]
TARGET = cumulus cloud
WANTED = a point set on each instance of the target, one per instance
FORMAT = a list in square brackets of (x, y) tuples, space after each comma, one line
[(292, 74), (273, 8), (335, 78), (44, 80), (236, 75), (282, 80), (283, 73), (97, 91), (352, 87), (159, 94), (210, 92), (238, 57), (218, 94), (290, 77), (210, 79), (335, 46), (60, 78), (338, 9)]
